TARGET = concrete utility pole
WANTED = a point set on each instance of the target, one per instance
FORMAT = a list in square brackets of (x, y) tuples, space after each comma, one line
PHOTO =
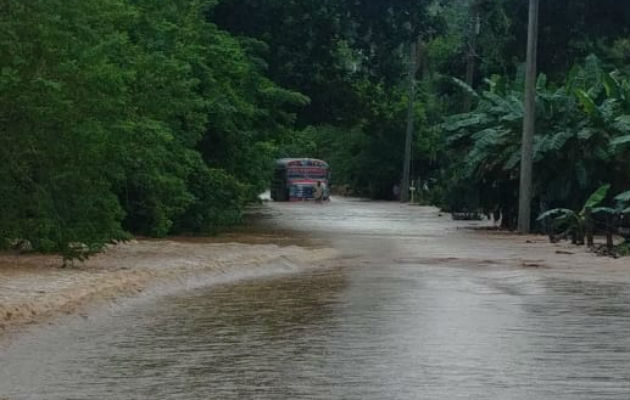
[(404, 190), (525, 193), (473, 32)]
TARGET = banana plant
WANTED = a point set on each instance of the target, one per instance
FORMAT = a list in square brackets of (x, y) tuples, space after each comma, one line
[(581, 140), (575, 223), (621, 206), (616, 217)]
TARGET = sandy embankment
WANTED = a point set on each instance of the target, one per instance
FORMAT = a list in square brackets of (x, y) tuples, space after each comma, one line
[(34, 288)]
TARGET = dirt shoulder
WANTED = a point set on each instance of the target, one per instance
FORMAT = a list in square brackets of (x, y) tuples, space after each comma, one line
[(33, 288), (561, 259)]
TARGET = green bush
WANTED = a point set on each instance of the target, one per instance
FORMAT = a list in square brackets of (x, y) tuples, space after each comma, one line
[(218, 201)]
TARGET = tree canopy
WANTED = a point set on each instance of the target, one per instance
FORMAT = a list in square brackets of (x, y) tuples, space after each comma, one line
[(122, 117), (129, 116)]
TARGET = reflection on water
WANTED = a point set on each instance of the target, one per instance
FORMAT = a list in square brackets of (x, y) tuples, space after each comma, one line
[(384, 325), (354, 333)]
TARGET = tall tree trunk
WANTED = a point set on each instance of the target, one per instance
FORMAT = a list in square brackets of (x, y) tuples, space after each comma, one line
[(404, 190), (525, 193)]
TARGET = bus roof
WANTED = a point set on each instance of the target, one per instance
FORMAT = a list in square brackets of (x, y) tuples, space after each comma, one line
[(302, 162)]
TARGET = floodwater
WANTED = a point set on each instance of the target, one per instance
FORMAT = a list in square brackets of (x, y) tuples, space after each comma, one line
[(414, 308)]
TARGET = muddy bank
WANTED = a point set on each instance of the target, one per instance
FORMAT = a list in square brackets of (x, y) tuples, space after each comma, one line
[(288, 236), (33, 288), (413, 305)]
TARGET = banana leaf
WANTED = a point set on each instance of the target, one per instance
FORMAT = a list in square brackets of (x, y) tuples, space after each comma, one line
[(620, 140), (557, 212), (587, 103), (623, 197), (597, 197), (463, 85), (605, 210)]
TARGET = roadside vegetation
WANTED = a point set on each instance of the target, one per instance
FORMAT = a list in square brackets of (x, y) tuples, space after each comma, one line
[(144, 117)]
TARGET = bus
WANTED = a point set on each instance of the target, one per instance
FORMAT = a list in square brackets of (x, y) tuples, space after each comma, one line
[(294, 179)]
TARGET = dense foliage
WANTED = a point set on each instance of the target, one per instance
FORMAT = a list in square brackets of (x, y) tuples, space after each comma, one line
[(581, 124), (349, 58), (122, 117), (128, 116)]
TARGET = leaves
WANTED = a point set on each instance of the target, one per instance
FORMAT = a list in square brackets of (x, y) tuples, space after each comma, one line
[(465, 87), (622, 123), (587, 102), (579, 130), (556, 213), (623, 197), (457, 123), (112, 114), (619, 141), (596, 197), (605, 210)]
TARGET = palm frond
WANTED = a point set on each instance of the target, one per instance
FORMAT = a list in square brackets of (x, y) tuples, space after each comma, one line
[(465, 87)]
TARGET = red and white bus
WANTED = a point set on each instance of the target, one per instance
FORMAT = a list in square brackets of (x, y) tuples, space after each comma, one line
[(295, 179)]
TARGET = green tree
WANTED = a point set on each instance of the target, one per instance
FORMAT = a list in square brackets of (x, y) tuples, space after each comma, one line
[(60, 98), (129, 116), (575, 149)]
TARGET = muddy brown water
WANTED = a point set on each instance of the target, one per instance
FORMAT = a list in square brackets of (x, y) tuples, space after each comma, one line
[(415, 308)]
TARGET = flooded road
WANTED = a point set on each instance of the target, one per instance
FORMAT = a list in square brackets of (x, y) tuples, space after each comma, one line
[(414, 308)]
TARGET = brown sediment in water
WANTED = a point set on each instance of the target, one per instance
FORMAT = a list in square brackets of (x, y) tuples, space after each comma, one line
[(33, 288), (414, 304)]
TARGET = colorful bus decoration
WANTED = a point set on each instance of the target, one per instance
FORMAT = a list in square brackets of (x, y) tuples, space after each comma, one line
[(295, 179)]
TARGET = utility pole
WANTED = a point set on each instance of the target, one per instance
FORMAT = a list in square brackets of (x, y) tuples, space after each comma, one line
[(525, 193), (404, 190), (473, 31)]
